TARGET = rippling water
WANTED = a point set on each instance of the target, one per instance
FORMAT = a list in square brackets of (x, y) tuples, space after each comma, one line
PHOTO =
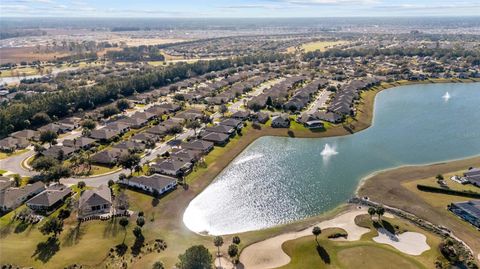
[(278, 180)]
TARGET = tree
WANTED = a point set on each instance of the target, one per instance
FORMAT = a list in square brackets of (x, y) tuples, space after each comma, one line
[(89, 124), (371, 212), (81, 184), (196, 257), (64, 214), (123, 104), (17, 179), (140, 221), (236, 240), (269, 101), (223, 109), (316, 231), (111, 183), (52, 226), (48, 137), (110, 111), (124, 223), (129, 161), (40, 118), (137, 232), (233, 252), (194, 125), (38, 148), (44, 163), (380, 211), (218, 242), (57, 172), (158, 265), (439, 178)]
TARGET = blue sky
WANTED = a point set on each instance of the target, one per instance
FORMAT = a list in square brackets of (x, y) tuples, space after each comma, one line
[(237, 8)]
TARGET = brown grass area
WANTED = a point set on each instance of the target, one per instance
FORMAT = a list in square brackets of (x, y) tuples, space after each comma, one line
[(17, 55)]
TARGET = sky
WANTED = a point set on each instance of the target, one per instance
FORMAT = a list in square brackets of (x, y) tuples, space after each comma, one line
[(237, 8)]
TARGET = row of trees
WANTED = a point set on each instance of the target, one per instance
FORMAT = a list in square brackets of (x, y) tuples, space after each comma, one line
[(19, 114)]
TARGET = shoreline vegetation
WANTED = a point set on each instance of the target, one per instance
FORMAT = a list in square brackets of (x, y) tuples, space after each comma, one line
[(166, 217)]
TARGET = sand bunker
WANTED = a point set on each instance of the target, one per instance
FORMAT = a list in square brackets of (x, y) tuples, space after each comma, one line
[(409, 242)]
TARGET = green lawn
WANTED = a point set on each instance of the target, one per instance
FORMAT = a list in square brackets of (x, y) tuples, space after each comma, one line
[(364, 253)]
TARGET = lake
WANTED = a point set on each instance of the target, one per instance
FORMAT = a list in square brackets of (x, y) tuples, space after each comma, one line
[(277, 180)]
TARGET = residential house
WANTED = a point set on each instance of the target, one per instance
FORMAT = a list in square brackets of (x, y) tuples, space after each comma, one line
[(144, 137), (56, 128), (50, 199), (172, 167), (473, 176), (26, 134), (223, 129), (5, 183), (199, 145), (237, 124), (170, 107), (95, 202), (185, 155), (10, 144), (11, 198), (79, 143), (241, 115), (107, 157), (69, 124), (218, 139), (58, 152), (261, 117), (130, 145), (104, 134), (153, 184), (469, 211), (281, 121)]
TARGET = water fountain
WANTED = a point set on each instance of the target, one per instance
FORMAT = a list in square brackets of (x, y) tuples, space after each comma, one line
[(446, 96), (328, 151)]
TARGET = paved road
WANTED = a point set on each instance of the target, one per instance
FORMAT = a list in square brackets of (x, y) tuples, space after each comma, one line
[(319, 102), (13, 164)]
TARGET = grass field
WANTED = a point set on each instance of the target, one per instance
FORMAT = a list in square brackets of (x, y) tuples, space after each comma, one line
[(321, 45)]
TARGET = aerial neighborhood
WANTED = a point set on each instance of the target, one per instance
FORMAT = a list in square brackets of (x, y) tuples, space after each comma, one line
[(111, 151)]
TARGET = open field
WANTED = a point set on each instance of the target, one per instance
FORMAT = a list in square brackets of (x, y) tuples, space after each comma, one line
[(164, 217), (321, 45), (17, 55), (317, 45)]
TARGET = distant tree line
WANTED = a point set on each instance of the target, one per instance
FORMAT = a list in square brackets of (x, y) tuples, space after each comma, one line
[(23, 113)]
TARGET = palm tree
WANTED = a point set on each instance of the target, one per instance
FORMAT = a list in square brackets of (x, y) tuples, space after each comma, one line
[(380, 211), (371, 212), (316, 231), (218, 242)]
